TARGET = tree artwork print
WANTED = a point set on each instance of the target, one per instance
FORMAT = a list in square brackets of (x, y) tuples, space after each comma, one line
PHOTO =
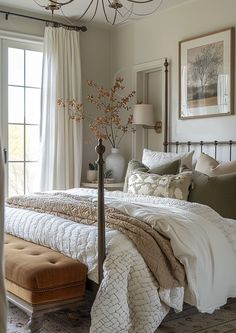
[(204, 66), (206, 75)]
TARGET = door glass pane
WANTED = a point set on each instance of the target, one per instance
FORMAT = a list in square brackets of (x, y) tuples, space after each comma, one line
[(32, 142), (16, 66), (15, 104), (16, 178), (16, 142), (31, 181), (33, 67), (32, 105)]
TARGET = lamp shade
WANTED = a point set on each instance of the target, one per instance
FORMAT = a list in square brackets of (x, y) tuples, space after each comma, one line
[(143, 114)]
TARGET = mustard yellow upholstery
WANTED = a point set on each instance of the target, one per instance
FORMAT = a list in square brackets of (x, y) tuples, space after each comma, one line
[(38, 274)]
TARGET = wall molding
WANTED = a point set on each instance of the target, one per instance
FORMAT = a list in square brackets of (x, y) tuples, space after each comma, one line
[(140, 85)]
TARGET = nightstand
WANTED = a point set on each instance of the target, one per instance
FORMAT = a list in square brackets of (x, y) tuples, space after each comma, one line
[(107, 186)]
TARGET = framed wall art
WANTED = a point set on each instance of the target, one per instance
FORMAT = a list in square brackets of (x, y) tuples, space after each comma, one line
[(206, 75)]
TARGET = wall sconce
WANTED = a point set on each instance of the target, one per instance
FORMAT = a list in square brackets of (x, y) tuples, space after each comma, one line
[(143, 115)]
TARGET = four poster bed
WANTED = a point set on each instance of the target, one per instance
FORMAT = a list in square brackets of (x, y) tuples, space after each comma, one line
[(156, 252)]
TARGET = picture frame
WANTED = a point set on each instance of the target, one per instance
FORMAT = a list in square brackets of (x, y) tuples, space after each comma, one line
[(206, 75)]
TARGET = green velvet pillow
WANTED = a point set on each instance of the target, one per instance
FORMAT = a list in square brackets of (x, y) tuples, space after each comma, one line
[(133, 165), (218, 192), (170, 168)]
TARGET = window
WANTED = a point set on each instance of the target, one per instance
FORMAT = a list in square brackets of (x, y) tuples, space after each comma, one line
[(21, 115)]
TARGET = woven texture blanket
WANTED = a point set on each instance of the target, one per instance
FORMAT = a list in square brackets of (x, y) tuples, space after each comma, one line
[(153, 246)]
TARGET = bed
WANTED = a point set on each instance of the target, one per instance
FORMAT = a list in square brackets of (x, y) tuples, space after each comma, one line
[(193, 240), (130, 298)]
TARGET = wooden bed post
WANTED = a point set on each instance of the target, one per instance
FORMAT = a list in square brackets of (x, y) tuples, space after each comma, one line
[(100, 149)]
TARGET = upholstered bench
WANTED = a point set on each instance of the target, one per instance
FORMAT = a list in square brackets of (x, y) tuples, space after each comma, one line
[(40, 280)]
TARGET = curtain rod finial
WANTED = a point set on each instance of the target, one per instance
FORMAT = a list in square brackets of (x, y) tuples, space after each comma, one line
[(83, 28)]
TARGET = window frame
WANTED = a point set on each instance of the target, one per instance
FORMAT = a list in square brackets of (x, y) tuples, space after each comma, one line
[(5, 43)]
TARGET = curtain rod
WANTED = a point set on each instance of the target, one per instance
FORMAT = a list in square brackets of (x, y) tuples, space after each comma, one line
[(77, 28)]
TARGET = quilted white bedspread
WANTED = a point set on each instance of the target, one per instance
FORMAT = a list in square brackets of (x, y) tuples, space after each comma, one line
[(129, 299)]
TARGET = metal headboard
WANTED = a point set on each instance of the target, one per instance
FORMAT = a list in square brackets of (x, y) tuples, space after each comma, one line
[(201, 144)]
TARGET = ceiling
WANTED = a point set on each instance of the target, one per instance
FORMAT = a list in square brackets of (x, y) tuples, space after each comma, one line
[(76, 8)]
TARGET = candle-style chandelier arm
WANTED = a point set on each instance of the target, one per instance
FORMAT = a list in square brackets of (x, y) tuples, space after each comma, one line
[(95, 11), (61, 3), (144, 14), (37, 3), (115, 5), (104, 11), (85, 12), (144, 1)]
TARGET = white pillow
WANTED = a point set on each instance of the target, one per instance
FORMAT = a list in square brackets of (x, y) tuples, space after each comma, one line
[(153, 159)]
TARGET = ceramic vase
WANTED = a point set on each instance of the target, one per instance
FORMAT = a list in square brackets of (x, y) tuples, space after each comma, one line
[(91, 176), (116, 163)]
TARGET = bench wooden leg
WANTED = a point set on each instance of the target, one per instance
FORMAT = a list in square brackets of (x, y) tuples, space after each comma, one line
[(35, 324), (36, 311)]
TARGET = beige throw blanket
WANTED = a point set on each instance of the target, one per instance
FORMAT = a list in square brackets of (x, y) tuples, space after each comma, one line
[(154, 247)]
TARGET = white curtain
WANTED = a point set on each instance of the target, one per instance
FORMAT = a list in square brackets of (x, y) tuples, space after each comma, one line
[(61, 137), (3, 306)]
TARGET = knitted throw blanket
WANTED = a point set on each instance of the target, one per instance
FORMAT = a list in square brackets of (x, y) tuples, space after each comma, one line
[(152, 245)]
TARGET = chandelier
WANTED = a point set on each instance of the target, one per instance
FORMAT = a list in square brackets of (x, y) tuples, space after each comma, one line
[(53, 5), (114, 11)]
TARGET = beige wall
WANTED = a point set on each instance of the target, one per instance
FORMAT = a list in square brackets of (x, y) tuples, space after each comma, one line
[(157, 37), (20, 25), (95, 58)]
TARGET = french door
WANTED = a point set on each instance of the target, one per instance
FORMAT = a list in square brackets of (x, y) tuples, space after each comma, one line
[(21, 65)]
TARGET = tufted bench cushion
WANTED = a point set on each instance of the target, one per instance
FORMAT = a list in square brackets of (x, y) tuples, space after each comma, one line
[(40, 275)]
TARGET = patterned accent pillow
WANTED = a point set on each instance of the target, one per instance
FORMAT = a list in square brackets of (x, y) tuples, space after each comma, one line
[(170, 168), (168, 186), (132, 166)]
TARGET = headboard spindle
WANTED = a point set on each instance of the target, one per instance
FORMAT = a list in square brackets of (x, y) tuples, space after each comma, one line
[(215, 143), (201, 144), (189, 146), (177, 147), (230, 149)]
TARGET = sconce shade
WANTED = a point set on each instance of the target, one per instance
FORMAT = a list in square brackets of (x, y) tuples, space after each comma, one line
[(143, 115)]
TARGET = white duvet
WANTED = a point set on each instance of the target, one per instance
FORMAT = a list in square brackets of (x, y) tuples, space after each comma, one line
[(129, 299)]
